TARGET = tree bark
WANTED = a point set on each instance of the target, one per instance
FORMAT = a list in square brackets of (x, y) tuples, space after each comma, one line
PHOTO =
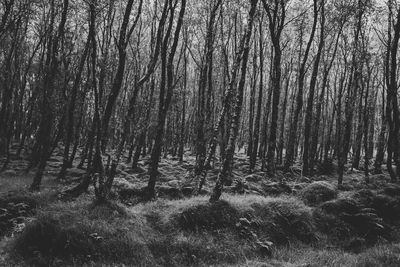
[(308, 164), (291, 146), (242, 58), (166, 91)]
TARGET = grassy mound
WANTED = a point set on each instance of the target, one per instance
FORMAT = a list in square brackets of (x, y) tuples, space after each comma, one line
[(195, 232), (209, 216), (387, 207), (327, 218), (386, 202), (317, 192), (47, 240), (75, 233), (78, 232), (362, 218), (280, 220), (238, 227), (350, 224), (46, 236), (392, 190)]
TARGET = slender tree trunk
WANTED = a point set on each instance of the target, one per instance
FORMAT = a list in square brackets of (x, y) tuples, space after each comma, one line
[(366, 124), (359, 133), (242, 59), (352, 92), (166, 90), (291, 147), (70, 115), (283, 120), (123, 40), (203, 105), (253, 85), (45, 128), (308, 164), (256, 134), (183, 116), (380, 153), (392, 108)]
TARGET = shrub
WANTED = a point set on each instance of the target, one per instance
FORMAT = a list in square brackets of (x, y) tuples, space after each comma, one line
[(317, 192), (335, 228), (346, 218), (340, 206), (364, 197), (386, 203), (281, 220), (392, 190), (327, 218), (387, 207)]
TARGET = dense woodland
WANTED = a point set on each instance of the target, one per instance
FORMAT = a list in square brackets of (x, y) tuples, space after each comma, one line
[(301, 88), (290, 82)]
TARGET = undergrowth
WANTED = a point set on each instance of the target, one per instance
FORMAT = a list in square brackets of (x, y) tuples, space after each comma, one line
[(239, 230)]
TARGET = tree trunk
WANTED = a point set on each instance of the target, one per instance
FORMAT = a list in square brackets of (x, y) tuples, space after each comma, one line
[(69, 127), (256, 134), (308, 164), (242, 59), (47, 115), (291, 147), (166, 90), (352, 91)]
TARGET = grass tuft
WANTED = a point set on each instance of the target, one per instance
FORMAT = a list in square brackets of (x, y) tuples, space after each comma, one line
[(82, 232), (209, 216), (282, 220), (317, 192), (195, 232)]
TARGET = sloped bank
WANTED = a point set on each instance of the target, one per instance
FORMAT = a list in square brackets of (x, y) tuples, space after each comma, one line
[(238, 230)]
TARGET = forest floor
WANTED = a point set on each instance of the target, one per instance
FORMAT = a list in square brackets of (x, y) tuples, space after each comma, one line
[(288, 220)]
